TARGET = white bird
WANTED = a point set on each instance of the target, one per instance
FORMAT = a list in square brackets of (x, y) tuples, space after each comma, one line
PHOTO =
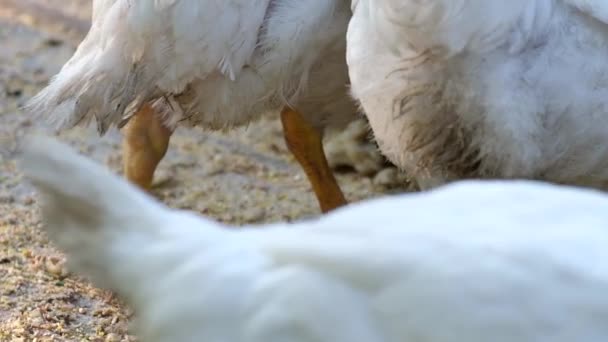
[(530, 266), (152, 65), (485, 88)]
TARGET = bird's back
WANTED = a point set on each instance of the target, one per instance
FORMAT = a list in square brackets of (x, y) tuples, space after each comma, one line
[(474, 261)]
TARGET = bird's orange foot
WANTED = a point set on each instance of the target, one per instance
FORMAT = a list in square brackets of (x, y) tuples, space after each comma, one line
[(306, 144), (145, 143)]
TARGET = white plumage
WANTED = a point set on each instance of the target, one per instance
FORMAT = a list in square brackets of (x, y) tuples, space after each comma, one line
[(217, 63), (530, 266), (485, 88)]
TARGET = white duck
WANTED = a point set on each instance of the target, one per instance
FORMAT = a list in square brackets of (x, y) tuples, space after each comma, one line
[(532, 266), (214, 63), (485, 88)]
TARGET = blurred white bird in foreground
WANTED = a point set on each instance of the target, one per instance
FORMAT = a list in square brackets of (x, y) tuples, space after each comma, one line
[(153, 65), (485, 88), (474, 261)]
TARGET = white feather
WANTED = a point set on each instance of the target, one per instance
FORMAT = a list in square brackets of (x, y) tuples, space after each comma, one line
[(475, 262), (224, 62), (485, 88)]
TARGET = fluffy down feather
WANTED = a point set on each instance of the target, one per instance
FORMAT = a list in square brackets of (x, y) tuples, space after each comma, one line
[(485, 88), (532, 266)]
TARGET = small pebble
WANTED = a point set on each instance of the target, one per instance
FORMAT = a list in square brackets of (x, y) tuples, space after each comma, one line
[(28, 200), (56, 267)]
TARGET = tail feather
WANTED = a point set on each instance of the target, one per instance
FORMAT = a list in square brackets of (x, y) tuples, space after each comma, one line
[(79, 185), (87, 210), (113, 232), (152, 257), (88, 88), (101, 81)]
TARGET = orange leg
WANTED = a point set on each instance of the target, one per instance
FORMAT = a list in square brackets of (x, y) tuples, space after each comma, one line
[(144, 145), (305, 142)]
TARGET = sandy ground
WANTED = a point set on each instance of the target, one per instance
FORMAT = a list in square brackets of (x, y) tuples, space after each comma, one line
[(244, 176)]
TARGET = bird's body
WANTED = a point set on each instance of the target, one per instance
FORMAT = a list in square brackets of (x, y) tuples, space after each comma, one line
[(214, 63), (151, 65), (531, 266), (492, 89)]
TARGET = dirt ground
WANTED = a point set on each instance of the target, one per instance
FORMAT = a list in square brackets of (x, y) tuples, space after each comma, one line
[(244, 176)]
